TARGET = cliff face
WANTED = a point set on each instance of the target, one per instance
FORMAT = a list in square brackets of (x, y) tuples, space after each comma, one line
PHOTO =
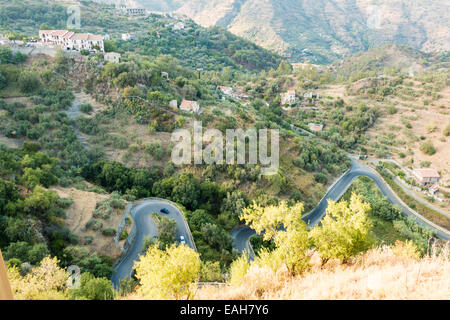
[(322, 30)]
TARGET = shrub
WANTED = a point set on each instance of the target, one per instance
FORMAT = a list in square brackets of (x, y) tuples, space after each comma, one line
[(28, 82), (88, 239), (392, 110), (446, 132), (65, 202), (93, 288), (109, 232), (94, 224), (425, 164), (428, 148), (86, 108), (124, 235), (3, 81), (156, 150), (321, 178)]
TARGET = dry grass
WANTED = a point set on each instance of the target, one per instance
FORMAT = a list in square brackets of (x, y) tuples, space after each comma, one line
[(81, 212), (381, 273)]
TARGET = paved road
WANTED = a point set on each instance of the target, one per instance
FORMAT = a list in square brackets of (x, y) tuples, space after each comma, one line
[(407, 190), (242, 235), (141, 214)]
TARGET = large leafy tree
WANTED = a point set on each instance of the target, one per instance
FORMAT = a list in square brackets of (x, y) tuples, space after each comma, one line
[(345, 230), (45, 282), (93, 288), (169, 274), (167, 231), (284, 225)]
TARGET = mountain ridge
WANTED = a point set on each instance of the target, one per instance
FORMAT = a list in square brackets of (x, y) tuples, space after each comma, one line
[(321, 31)]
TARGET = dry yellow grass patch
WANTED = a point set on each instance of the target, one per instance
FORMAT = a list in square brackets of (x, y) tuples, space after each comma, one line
[(80, 213), (378, 274)]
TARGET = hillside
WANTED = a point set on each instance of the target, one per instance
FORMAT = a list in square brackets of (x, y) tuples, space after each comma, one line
[(195, 46), (86, 137), (382, 273), (321, 31), (390, 58)]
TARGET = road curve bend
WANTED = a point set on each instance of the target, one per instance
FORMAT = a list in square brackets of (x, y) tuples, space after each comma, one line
[(242, 235), (145, 227)]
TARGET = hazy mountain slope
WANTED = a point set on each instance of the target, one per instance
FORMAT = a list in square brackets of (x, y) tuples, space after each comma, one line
[(322, 30)]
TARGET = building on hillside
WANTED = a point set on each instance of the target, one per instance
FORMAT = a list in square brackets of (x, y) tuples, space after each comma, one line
[(126, 36), (178, 26), (311, 95), (112, 57), (238, 95), (426, 176), (315, 127), (133, 11), (226, 90), (69, 40), (190, 106), (433, 189), (288, 97)]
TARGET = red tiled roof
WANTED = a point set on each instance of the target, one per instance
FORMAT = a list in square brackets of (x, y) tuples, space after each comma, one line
[(72, 35), (59, 33), (86, 36), (187, 104), (68, 35), (427, 173)]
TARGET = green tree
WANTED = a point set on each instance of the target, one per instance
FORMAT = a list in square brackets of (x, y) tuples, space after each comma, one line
[(3, 81), (167, 231), (29, 81), (210, 272), (45, 282), (40, 201), (92, 288), (345, 229), (284, 225), (169, 274), (238, 269)]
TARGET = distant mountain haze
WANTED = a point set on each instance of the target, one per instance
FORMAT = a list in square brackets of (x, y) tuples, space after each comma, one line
[(321, 31)]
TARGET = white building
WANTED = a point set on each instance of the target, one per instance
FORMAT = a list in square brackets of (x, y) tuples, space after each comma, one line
[(315, 127), (178, 26), (288, 97), (69, 40), (126, 36), (226, 90), (426, 176), (311, 95), (112, 57)]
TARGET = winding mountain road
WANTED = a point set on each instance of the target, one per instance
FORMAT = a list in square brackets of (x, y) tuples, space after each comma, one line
[(242, 235), (145, 227)]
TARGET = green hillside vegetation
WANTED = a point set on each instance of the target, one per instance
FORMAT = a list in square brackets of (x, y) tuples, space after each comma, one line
[(195, 46), (119, 143)]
